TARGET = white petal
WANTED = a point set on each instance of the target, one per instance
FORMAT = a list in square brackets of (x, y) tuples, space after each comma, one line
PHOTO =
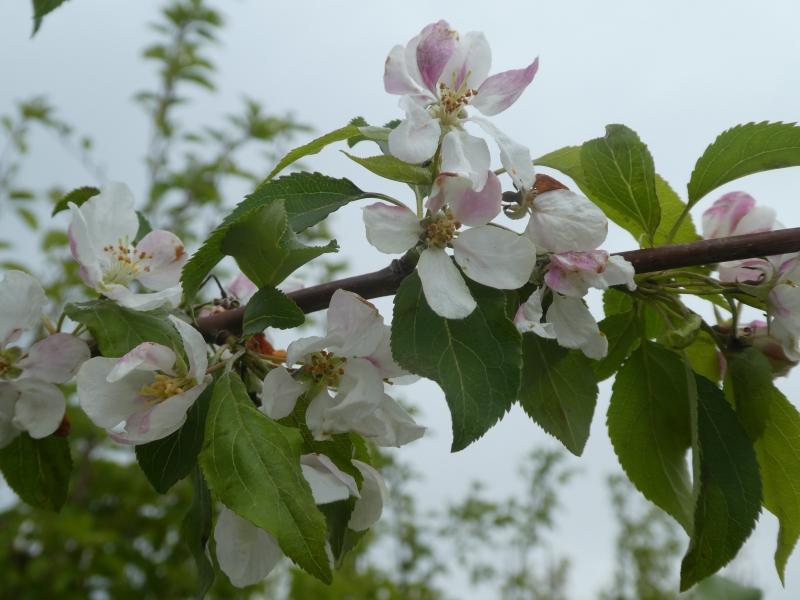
[(109, 404), (195, 347), (758, 220), (356, 322), (390, 425), (166, 256), (328, 483), (158, 421), (384, 361), (374, 495), (470, 63), (40, 407), (170, 297), (469, 207), (317, 414), (110, 217), (396, 79), (391, 229), (501, 90), (279, 393), (22, 300), (55, 358), (619, 272), (529, 316), (466, 156), (563, 221), (575, 326), (304, 346), (82, 247), (515, 158), (360, 392), (443, 286), (147, 356), (415, 139), (495, 257), (8, 400), (245, 553)]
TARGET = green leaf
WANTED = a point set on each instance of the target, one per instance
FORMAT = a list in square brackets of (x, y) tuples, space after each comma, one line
[(170, 459), (568, 161), (558, 391), (722, 588), (117, 330), (649, 427), (27, 215), (78, 196), (252, 464), (196, 531), (477, 360), (744, 150), (393, 168), (704, 356), (728, 487), (773, 425), (38, 470), (672, 209), (144, 227), (623, 331), (270, 307), (315, 146), (265, 247), (619, 171), (41, 8), (308, 199)]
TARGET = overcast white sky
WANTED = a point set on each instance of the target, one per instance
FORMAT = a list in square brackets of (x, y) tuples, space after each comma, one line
[(678, 72)]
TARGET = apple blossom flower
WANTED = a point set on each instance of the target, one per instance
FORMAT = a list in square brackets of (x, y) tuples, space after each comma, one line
[(101, 238), (439, 74), (144, 395), (30, 400), (247, 554), (736, 213), (354, 358), (490, 255)]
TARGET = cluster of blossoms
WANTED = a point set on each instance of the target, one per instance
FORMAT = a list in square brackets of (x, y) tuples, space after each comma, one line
[(736, 213), (440, 74)]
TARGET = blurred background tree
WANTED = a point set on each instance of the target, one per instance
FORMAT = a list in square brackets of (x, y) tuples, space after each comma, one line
[(117, 538)]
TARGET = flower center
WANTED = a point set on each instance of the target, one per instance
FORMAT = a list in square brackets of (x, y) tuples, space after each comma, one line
[(326, 367), (452, 100), (8, 357), (166, 386), (441, 229), (124, 263)]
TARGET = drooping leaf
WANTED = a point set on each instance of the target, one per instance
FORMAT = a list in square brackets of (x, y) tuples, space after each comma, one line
[(170, 459), (728, 486), (623, 331), (196, 531), (744, 150), (722, 588), (252, 464), (477, 360), (265, 247), (315, 146), (393, 168), (619, 172), (38, 470), (773, 425), (308, 199), (649, 427), (41, 8), (270, 307), (704, 356), (78, 196), (118, 330), (558, 390)]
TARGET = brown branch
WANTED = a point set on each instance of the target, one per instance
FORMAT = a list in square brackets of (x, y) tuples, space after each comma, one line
[(386, 281)]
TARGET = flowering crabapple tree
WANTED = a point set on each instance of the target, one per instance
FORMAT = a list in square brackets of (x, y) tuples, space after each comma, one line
[(494, 264)]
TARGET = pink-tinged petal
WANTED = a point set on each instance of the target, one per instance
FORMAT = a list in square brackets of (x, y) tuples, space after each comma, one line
[(147, 356), (195, 347), (383, 360), (396, 79), (22, 300), (8, 401), (433, 52), (279, 393), (528, 318), (356, 323), (164, 258), (328, 483), (495, 257), (751, 270), (563, 221), (415, 139), (391, 229), (443, 286), (575, 327), (159, 420), (469, 64), (469, 207), (40, 407), (501, 90), (467, 156), (55, 359), (242, 288), (758, 220), (389, 425), (245, 553), (374, 496), (410, 54), (515, 158), (109, 404), (619, 271), (724, 215), (171, 297)]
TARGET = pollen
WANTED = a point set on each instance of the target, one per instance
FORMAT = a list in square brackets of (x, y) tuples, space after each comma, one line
[(124, 263), (441, 229), (325, 367), (164, 387)]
